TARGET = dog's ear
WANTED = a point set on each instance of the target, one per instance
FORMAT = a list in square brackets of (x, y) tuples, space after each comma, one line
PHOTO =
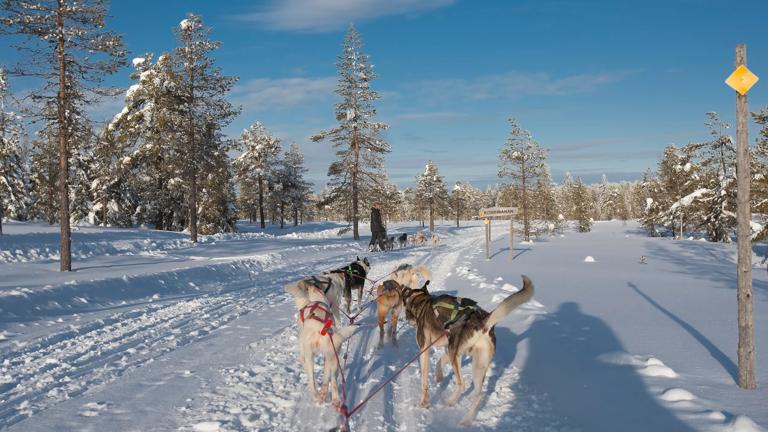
[(424, 287), (366, 262), (358, 258)]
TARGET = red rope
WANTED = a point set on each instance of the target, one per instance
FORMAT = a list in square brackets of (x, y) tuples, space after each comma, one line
[(391, 378)]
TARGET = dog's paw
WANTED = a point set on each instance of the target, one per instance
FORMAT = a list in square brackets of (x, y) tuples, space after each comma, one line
[(424, 403)]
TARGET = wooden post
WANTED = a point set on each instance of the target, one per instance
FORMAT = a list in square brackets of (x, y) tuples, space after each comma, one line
[(746, 347), (487, 223), (511, 237)]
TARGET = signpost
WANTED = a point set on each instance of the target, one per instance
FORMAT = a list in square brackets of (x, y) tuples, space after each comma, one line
[(741, 80), (487, 214)]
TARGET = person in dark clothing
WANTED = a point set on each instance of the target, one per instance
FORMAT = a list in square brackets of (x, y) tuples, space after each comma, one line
[(378, 233)]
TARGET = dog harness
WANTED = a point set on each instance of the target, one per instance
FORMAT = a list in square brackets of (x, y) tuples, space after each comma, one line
[(454, 310), (316, 281), (310, 311)]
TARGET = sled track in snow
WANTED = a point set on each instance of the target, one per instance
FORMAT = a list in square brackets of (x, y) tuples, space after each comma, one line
[(65, 364)]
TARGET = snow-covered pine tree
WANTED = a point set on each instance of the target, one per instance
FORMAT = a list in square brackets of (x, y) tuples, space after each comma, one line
[(253, 167), (760, 171), (583, 205), (150, 129), (678, 178), (44, 174), (430, 190), (68, 48), (296, 187), (459, 200), (13, 175), (203, 89), (545, 206), (651, 195), (357, 139), (216, 206), (522, 159), (80, 174), (114, 200), (718, 173)]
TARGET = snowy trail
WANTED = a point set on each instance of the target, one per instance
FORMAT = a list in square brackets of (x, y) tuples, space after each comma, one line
[(209, 341), (42, 372), (257, 395)]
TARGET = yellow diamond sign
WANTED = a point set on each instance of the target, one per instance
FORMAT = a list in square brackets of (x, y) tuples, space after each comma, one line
[(741, 80)]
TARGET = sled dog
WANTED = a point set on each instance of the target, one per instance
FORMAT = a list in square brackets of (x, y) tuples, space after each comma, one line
[(337, 283), (314, 315), (402, 240), (470, 331), (388, 303)]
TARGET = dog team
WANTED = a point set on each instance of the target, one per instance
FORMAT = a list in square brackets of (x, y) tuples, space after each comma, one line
[(458, 324)]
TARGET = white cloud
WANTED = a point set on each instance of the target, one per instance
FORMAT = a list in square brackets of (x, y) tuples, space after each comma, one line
[(262, 94), (515, 84), (327, 15)]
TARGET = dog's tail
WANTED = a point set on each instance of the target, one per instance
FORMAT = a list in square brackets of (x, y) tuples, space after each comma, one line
[(343, 333), (410, 277), (509, 304)]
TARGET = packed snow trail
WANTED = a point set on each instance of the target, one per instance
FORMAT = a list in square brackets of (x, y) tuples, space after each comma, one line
[(203, 338)]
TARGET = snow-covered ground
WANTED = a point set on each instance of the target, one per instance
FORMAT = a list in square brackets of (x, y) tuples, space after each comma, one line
[(151, 332)]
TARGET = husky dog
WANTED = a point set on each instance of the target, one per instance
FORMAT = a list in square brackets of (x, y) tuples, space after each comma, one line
[(419, 238), (402, 240), (314, 317), (390, 244), (354, 279), (471, 331), (435, 239), (388, 297), (337, 283)]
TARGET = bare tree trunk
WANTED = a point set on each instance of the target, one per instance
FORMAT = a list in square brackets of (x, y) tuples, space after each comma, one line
[(526, 223), (295, 216), (458, 210), (355, 167), (282, 215), (195, 156), (261, 201), (746, 345), (2, 212), (431, 217), (66, 242)]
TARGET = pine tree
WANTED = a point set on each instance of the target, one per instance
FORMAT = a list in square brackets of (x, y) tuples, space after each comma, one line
[(254, 166), (430, 189), (13, 183), (204, 109), (459, 200), (114, 199), (760, 171), (216, 207), (583, 205), (68, 48), (718, 166), (522, 159), (357, 138), (44, 174), (149, 129), (297, 189)]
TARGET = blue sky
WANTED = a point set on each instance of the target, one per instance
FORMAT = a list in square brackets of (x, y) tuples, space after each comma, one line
[(605, 85)]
